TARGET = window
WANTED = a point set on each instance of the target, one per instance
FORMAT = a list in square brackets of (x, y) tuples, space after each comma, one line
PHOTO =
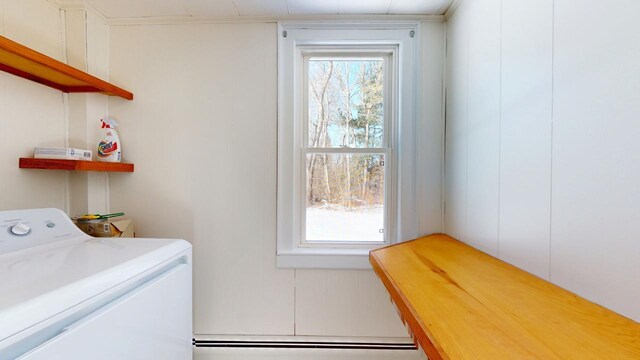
[(346, 149), (343, 104)]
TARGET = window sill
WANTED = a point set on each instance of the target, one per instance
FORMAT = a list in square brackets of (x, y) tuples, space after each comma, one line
[(324, 259)]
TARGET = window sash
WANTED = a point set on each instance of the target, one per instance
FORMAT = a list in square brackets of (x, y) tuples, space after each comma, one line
[(345, 54), (388, 170)]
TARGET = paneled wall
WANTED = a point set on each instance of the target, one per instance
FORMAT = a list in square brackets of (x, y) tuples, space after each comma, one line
[(31, 114), (87, 40), (36, 115), (202, 133), (542, 161)]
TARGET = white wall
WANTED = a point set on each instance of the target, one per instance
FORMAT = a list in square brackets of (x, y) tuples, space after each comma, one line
[(87, 41), (30, 114), (202, 133), (430, 130), (542, 170), (36, 115)]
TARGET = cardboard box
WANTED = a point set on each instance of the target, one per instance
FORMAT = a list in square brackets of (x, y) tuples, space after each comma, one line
[(113, 227)]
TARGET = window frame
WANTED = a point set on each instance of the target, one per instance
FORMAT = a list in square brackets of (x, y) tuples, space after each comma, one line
[(296, 43)]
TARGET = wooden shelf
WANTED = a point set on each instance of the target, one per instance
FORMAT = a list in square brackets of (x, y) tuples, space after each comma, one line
[(74, 165), (22, 61), (461, 303)]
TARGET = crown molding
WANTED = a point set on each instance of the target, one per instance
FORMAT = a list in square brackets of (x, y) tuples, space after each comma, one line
[(81, 5), (452, 9), (268, 19), (69, 4), (78, 5), (446, 5)]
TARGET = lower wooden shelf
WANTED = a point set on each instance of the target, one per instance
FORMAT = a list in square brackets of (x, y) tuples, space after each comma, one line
[(460, 303), (74, 165)]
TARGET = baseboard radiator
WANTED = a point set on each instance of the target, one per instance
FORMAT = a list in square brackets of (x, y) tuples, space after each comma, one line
[(303, 344)]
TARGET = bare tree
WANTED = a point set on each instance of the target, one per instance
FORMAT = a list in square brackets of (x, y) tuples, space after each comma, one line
[(320, 97), (346, 108)]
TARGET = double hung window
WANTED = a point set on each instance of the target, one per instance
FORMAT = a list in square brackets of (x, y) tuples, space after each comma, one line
[(346, 154), (341, 110)]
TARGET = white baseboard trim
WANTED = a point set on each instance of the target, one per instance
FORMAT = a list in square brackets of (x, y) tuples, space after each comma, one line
[(214, 347), (303, 354)]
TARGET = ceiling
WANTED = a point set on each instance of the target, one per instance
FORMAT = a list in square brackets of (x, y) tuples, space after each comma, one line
[(114, 9)]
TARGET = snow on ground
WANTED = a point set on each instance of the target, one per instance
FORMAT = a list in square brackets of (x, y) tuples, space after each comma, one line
[(335, 223)]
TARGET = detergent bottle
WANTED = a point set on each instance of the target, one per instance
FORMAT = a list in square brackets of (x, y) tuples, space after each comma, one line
[(109, 148)]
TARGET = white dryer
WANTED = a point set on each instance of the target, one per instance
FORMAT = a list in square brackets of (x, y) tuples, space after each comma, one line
[(66, 295)]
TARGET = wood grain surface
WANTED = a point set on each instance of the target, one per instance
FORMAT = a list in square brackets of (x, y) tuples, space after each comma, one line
[(29, 64), (74, 165), (460, 303)]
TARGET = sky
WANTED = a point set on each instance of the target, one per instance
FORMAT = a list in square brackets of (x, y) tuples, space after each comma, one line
[(335, 130)]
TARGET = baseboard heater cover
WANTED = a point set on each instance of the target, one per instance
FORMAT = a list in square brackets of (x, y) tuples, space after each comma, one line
[(273, 344)]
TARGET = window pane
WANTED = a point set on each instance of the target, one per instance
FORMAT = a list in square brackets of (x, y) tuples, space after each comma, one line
[(346, 103), (345, 197)]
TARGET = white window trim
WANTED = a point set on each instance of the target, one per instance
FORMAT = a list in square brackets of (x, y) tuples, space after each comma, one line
[(403, 36)]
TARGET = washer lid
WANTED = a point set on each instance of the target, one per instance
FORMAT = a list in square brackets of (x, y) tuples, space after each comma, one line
[(38, 283)]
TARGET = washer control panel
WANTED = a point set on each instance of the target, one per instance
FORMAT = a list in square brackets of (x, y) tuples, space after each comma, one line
[(21, 229)]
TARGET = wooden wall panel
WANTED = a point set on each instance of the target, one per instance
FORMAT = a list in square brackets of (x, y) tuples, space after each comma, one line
[(456, 125), (568, 135), (525, 135), (595, 247), (483, 125), (206, 149), (31, 114), (205, 154)]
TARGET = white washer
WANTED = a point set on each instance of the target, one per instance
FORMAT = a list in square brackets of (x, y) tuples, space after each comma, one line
[(67, 295)]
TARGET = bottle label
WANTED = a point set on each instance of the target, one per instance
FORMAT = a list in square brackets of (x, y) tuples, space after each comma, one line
[(107, 148)]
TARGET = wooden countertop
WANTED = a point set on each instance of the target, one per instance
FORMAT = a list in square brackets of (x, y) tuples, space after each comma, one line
[(460, 303)]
